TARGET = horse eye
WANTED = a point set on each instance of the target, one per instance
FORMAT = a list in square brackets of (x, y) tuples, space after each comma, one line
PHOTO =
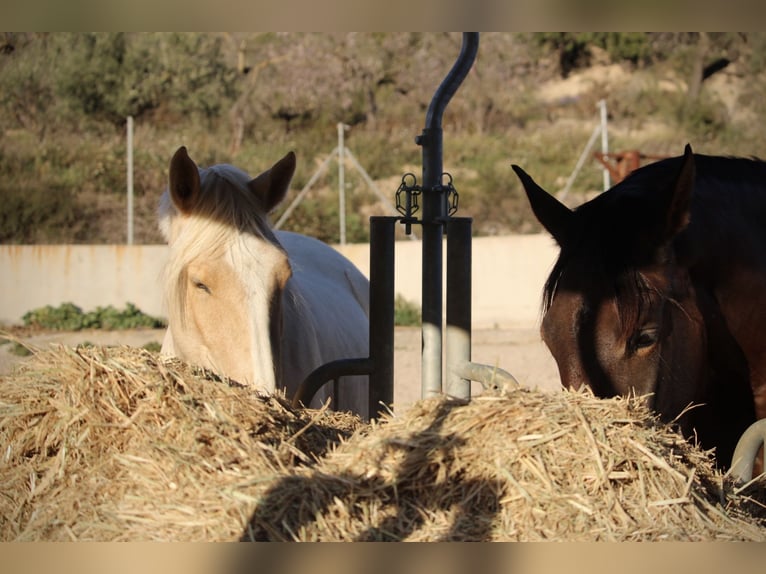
[(201, 286), (644, 339)]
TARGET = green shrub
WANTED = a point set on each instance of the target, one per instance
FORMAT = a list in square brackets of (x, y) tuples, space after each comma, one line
[(69, 317), (406, 313), (153, 347), (65, 317), (20, 350)]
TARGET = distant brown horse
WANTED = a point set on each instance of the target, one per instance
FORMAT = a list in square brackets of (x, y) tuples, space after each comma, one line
[(660, 289)]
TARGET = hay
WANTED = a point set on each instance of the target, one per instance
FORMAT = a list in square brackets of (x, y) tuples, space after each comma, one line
[(521, 467), (116, 444)]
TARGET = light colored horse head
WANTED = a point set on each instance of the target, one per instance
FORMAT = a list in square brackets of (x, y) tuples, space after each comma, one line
[(227, 270), (259, 306)]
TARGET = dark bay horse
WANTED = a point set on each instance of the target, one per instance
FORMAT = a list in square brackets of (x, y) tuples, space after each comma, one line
[(660, 290)]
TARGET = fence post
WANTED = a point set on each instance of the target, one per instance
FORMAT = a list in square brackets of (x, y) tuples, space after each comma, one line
[(604, 141), (341, 184), (129, 145)]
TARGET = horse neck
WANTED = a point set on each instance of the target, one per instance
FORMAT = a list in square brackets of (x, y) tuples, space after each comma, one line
[(299, 348), (726, 227)]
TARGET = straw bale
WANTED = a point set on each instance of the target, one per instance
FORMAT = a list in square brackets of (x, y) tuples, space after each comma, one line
[(521, 466), (117, 444)]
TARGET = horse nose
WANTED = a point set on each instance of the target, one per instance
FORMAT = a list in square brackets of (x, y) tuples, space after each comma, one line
[(571, 375), (575, 386)]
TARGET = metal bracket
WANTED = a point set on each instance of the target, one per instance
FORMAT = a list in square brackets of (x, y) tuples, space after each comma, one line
[(409, 190), (450, 193)]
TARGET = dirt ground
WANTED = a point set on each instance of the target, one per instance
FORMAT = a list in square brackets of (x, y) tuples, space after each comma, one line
[(518, 351)]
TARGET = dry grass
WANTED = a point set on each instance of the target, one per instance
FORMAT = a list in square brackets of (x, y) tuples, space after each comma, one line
[(115, 444), (524, 466)]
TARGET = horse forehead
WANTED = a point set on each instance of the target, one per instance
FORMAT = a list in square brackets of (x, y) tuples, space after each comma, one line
[(580, 299), (561, 315), (256, 253), (585, 278)]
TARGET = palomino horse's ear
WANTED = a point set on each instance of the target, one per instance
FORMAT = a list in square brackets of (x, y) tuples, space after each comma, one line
[(184, 181), (680, 196), (272, 185), (554, 215)]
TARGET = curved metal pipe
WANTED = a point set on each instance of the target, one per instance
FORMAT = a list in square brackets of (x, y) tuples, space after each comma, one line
[(749, 444), (452, 80), (490, 377), (326, 373)]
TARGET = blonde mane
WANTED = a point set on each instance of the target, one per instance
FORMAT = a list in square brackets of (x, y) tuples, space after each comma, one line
[(226, 209)]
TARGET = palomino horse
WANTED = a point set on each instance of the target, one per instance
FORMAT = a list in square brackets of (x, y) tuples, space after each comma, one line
[(660, 290), (260, 306)]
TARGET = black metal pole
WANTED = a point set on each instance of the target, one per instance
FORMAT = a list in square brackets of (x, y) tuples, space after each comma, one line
[(380, 364), (381, 387), (458, 340), (435, 215)]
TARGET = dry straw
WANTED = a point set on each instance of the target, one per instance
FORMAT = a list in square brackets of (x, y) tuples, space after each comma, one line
[(116, 444)]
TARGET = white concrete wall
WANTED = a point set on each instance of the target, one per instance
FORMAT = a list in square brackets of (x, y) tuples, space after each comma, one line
[(89, 276), (508, 276)]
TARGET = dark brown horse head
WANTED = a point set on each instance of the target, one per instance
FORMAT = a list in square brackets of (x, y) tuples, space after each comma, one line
[(659, 291), (619, 308)]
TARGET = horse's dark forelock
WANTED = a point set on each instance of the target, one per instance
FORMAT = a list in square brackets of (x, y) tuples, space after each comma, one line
[(627, 287), (634, 295)]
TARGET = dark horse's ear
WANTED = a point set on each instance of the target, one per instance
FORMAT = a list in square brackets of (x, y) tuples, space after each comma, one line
[(555, 216), (271, 186), (184, 181), (679, 196)]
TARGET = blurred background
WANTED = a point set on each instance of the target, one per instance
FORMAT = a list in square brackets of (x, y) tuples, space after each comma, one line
[(248, 98)]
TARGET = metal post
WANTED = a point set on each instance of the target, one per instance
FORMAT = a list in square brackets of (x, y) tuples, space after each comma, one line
[(341, 185), (604, 141), (380, 364), (458, 305), (381, 387), (435, 214), (580, 161), (130, 179)]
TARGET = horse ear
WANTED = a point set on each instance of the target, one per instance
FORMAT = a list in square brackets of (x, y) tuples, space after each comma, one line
[(184, 181), (679, 200), (271, 186), (554, 215)]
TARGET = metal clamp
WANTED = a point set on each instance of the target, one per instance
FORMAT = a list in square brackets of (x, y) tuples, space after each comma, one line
[(451, 194), (408, 190)]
